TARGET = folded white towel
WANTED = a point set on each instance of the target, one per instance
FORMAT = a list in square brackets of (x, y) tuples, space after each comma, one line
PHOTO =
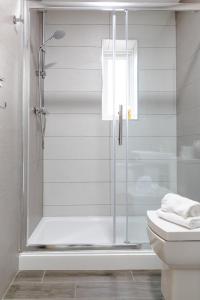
[(181, 206), (190, 223)]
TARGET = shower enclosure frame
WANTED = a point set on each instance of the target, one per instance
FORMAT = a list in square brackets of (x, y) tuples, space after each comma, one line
[(26, 149), (42, 6)]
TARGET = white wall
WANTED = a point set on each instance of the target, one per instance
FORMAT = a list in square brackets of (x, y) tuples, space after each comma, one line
[(77, 144), (10, 141), (188, 103)]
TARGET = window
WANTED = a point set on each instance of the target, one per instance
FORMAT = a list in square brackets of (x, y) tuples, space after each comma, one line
[(125, 78)]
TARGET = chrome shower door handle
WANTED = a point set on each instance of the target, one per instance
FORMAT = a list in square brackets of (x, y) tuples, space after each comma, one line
[(120, 125)]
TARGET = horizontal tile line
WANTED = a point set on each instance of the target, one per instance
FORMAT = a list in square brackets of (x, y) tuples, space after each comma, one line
[(100, 91), (85, 204), (92, 137), (117, 159), (82, 24), (73, 46), (99, 69), (99, 205), (106, 137), (109, 159), (74, 113), (105, 182), (110, 24), (106, 204), (191, 135), (99, 47), (77, 159), (76, 136), (99, 114), (109, 136)]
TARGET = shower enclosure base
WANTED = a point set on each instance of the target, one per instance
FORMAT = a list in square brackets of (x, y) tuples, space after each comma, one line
[(88, 231), (90, 234), (89, 260)]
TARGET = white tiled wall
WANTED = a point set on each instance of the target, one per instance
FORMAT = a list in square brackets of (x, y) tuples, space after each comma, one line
[(77, 155)]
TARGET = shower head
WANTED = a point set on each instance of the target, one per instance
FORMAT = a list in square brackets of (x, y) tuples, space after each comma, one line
[(58, 34)]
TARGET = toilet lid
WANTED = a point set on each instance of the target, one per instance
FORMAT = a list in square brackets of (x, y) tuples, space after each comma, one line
[(169, 231)]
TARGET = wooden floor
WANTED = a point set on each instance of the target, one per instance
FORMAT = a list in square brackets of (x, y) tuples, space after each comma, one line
[(93, 285)]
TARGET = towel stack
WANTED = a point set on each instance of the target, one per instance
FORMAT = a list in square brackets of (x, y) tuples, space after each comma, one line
[(180, 210)]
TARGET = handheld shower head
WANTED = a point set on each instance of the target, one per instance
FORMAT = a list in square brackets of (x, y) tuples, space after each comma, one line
[(58, 34)]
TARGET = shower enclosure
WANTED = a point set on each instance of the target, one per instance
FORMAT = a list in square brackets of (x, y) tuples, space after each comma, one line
[(103, 128), (84, 115)]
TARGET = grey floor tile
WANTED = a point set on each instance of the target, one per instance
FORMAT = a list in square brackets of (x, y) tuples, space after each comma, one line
[(41, 291), (33, 276), (87, 276), (137, 290), (90, 285)]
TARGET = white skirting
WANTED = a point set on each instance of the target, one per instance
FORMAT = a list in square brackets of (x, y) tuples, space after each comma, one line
[(89, 260)]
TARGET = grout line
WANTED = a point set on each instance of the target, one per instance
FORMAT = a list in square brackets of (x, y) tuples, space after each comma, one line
[(132, 276), (75, 282), (100, 91), (107, 182), (99, 47), (110, 25), (108, 159), (42, 280), (86, 204), (99, 115), (144, 68), (75, 290), (110, 137)]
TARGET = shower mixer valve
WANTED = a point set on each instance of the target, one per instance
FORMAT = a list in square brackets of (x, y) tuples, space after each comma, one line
[(39, 111)]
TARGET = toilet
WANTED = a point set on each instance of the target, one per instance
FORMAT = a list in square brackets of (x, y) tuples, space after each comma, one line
[(179, 250)]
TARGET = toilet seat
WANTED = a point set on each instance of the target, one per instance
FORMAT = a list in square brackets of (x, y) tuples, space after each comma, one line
[(169, 231)]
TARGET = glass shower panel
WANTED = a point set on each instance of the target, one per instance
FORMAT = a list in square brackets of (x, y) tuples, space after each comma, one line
[(151, 137)]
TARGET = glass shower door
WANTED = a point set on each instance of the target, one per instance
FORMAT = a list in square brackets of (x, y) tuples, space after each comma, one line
[(124, 100), (121, 124)]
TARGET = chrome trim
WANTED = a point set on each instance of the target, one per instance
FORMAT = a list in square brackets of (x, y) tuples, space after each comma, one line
[(113, 163), (92, 5), (127, 129)]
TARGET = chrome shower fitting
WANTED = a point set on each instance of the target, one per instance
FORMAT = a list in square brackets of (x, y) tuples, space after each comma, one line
[(58, 34), (39, 111)]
